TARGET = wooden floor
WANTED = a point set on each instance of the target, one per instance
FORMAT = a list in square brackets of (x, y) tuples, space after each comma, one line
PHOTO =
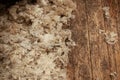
[(93, 58)]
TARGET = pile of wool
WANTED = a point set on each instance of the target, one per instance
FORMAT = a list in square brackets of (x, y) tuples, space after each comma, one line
[(33, 43)]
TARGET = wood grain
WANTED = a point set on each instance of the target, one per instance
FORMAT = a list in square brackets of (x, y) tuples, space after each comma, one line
[(98, 47), (117, 48), (93, 58), (80, 62)]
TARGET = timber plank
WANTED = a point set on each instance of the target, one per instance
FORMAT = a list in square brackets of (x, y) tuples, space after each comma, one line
[(93, 58), (117, 48), (110, 24), (79, 58), (98, 47)]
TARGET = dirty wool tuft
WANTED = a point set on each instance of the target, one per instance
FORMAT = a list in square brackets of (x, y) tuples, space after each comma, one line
[(33, 43)]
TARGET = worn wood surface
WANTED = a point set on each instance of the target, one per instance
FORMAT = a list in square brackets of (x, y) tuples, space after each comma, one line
[(93, 58)]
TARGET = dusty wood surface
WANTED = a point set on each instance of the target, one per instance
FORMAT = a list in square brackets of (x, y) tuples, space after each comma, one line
[(93, 58)]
